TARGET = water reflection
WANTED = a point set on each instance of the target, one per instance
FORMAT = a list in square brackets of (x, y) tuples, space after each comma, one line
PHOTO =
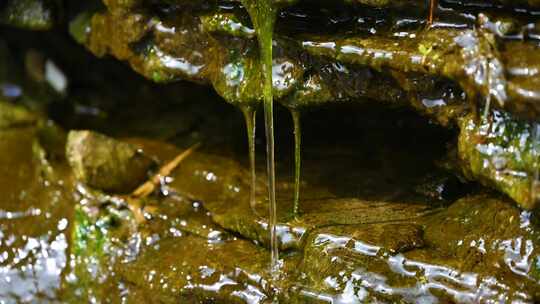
[(35, 215), (482, 266), (31, 267)]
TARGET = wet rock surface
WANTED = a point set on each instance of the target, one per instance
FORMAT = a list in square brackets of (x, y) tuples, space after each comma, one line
[(419, 152), (13, 116), (202, 242), (34, 217), (423, 264), (457, 66), (105, 163), (392, 252)]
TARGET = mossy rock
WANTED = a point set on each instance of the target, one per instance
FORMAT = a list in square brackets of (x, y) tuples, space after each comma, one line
[(105, 163), (15, 116)]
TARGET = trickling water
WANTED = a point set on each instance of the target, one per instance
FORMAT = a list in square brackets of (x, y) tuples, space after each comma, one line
[(297, 159), (487, 108), (250, 117), (489, 83), (432, 7), (263, 15), (535, 182)]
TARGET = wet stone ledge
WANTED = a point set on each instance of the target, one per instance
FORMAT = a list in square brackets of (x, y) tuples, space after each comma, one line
[(368, 231), (445, 71)]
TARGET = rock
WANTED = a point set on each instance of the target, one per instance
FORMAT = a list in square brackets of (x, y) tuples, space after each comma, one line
[(223, 187), (189, 269), (176, 215), (337, 69), (444, 73), (335, 257), (340, 249), (105, 163), (502, 152), (93, 251), (204, 242), (485, 233), (316, 213), (479, 249), (33, 209), (165, 260), (12, 116)]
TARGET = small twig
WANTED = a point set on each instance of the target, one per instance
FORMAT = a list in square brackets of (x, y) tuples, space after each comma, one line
[(135, 207), (148, 187), (134, 200)]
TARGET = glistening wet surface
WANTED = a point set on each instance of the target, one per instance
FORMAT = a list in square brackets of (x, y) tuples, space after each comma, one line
[(385, 214), (390, 229), (35, 216)]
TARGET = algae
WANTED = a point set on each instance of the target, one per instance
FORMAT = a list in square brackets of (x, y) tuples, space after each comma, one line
[(372, 222), (441, 72)]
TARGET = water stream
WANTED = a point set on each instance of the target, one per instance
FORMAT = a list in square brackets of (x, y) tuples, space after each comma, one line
[(263, 15), (432, 7), (536, 154), (297, 159), (250, 117)]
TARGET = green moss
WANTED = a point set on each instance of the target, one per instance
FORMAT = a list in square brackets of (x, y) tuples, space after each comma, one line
[(226, 24), (88, 243), (240, 79), (99, 238), (15, 116), (88, 239), (80, 27), (500, 151)]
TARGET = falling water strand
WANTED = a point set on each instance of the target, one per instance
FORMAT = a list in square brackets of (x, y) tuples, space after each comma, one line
[(297, 159), (535, 181), (250, 115), (487, 108), (489, 84), (263, 16), (265, 41), (432, 6)]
